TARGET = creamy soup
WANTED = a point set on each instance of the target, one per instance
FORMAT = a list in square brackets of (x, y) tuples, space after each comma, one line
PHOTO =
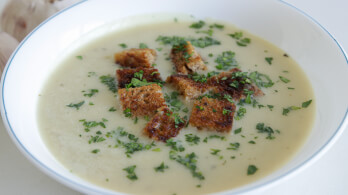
[(84, 126)]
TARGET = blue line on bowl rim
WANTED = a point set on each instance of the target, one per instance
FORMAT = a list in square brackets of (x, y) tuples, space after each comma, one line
[(293, 170)]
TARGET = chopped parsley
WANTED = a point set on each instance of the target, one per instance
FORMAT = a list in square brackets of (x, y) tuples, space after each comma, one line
[(109, 81), (96, 139), (91, 92), (239, 130), (215, 151), (123, 45), (252, 142), (139, 83), (131, 174), (262, 128), (218, 26), (252, 169), (233, 146), (240, 113), (79, 57), (285, 80), (306, 104), (270, 107), (238, 36), (95, 151), (201, 42), (178, 120), (261, 80), (143, 46), (288, 109), (90, 74), (197, 25), (77, 105), (161, 167), (127, 112), (208, 32), (175, 145), (226, 112), (226, 61), (112, 109), (269, 60), (189, 161), (192, 139)]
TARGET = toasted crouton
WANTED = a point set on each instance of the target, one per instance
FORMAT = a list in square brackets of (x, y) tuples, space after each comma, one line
[(141, 101), (134, 58), (212, 114), (186, 59), (164, 125), (235, 83), (187, 86), (124, 76)]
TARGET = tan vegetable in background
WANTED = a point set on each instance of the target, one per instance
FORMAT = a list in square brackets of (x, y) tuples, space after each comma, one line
[(20, 17), (7, 45)]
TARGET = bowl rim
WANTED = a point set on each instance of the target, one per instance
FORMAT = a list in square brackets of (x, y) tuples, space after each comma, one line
[(77, 186)]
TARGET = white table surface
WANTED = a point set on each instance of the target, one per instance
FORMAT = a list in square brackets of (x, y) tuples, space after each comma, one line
[(329, 175)]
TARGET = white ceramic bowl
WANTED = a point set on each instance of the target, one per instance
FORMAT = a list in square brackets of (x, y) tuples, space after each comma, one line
[(317, 52)]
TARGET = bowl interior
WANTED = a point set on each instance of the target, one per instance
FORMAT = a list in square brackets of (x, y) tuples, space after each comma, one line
[(314, 49)]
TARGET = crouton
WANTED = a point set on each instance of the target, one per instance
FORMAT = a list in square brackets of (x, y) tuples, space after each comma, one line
[(234, 83), (124, 76), (186, 59), (212, 114), (187, 86), (134, 58), (164, 125), (141, 101)]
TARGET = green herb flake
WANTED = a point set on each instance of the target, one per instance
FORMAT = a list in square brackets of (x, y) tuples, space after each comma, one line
[(161, 167), (197, 25), (127, 112), (131, 172), (240, 113), (95, 151), (237, 131), (270, 107), (252, 142), (175, 145), (269, 60), (123, 45), (143, 46), (214, 151), (306, 104), (189, 161), (261, 80), (192, 139), (208, 32), (218, 26), (252, 169), (77, 105), (91, 92), (234, 146), (285, 80), (109, 81), (112, 109), (262, 128), (79, 57), (288, 109), (226, 61)]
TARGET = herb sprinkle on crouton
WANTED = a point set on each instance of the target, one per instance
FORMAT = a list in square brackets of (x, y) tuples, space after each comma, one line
[(134, 58), (212, 114), (125, 76), (187, 86), (164, 125), (234, 83), (141, 101), (186, 59)]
